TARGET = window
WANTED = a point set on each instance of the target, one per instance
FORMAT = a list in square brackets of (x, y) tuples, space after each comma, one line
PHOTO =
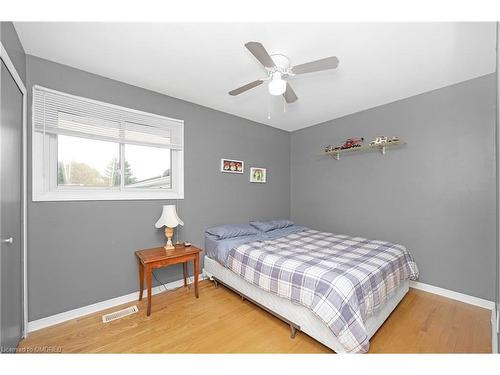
[(149, 172), (89, 150), (78, 167)]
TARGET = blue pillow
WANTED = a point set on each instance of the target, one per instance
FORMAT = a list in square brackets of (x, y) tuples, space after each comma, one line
[(266, 226), (231, 230), (282, 223)]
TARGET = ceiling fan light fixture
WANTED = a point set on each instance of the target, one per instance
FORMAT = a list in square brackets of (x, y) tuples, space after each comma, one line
[(277, 85), (277, 66)]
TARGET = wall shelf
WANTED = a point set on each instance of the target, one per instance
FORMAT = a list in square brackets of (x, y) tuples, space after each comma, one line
[(381, 147)]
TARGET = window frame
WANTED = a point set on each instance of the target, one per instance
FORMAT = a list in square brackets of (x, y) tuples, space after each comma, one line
[(44, 160)]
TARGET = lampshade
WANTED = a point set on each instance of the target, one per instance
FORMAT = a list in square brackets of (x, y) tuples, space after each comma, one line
[(169, 218)]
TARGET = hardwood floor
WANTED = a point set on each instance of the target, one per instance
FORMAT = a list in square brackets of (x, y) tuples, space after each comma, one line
[(220, 322)]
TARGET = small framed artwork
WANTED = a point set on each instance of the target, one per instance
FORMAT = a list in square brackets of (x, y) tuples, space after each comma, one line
[(231, 166), (258, 174)]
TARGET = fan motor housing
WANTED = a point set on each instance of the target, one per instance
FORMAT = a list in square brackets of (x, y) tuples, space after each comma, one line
[(281, 61)]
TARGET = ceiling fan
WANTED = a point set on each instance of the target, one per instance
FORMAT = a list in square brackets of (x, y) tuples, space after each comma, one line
[(279, 69)]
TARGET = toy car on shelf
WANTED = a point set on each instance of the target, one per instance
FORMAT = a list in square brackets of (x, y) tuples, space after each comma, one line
[(383, 140), (352, 142), (379, 141)]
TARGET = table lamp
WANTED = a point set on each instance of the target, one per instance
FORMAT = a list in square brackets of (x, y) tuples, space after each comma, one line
[(169, 220)]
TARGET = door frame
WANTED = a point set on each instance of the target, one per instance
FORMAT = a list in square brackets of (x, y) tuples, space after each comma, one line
[(4, 56)]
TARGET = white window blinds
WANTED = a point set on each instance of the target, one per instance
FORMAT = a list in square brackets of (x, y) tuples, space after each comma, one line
[(59, 113)]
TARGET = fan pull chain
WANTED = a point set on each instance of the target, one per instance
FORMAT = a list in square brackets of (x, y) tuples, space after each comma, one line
[(269, 107)]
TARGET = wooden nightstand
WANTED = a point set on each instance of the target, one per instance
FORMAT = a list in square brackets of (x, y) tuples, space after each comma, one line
[(158, 257)]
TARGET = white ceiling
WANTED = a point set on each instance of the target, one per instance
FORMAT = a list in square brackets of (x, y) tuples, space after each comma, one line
[(200, 63)]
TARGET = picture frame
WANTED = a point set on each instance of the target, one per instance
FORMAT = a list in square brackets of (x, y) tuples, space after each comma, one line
[(232, 166), (258, 175)]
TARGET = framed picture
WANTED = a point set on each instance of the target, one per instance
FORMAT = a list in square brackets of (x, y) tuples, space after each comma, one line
[(258, 174), (231, 166)]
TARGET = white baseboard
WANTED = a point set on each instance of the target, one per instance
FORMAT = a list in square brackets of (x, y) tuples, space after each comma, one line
[(471, 300), (99, 306), (494, 331)]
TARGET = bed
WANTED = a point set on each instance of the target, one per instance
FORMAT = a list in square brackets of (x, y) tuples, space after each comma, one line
[(337, 289)]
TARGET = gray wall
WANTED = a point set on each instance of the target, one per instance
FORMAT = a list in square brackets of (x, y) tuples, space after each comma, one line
[(82, 252), (436, 195), (10, 41), (498, 181)]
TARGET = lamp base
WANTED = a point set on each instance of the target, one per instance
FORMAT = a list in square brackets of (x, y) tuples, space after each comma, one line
[(169, 232)]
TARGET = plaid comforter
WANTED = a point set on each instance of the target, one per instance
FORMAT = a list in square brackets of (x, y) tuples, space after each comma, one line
[(342, 279)]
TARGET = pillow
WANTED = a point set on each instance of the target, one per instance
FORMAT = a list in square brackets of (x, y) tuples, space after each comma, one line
[(266, 226), (231, 230), (282, 223)]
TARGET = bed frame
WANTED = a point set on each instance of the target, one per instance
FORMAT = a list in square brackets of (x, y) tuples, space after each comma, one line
[(293, 327), (298, 317)]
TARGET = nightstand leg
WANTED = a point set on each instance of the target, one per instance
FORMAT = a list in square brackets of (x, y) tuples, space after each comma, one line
[(141, 280), (148, 282), (196, 272), (184, 271)]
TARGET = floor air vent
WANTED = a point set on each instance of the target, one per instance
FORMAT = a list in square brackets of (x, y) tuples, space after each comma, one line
[(119, 314)]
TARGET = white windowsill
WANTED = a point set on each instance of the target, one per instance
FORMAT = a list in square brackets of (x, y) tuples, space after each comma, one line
[(89, 195)]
